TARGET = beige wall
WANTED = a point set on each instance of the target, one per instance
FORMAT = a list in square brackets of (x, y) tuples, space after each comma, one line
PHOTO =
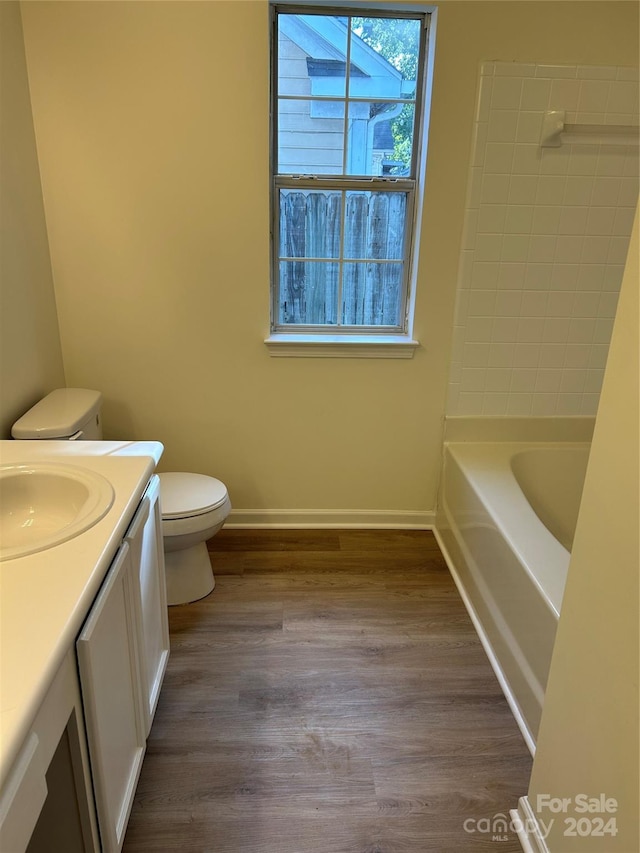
[(152, 128), (30, 354), (588, 740)]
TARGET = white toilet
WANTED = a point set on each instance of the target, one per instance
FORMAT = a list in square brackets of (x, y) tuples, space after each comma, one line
[(194, 506)]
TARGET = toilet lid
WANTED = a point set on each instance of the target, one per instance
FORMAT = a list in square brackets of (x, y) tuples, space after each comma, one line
[(183, 495)]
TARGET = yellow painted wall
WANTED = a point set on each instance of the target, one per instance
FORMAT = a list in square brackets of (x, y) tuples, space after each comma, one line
[(588, 740), (30, 354), (152, 128)]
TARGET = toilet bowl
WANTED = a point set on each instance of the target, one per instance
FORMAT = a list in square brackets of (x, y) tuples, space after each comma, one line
[(194, 506)]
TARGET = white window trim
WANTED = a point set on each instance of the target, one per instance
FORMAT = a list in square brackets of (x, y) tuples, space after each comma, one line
[(341, 346), (367, 345)]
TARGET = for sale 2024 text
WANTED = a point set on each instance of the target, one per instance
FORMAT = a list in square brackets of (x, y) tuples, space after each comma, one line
[(586, 815)]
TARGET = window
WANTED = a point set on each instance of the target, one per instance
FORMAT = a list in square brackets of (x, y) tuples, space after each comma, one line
[(347, 91)]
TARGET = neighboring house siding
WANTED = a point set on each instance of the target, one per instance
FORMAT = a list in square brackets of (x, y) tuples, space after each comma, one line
[(293, 68), (308, 145)]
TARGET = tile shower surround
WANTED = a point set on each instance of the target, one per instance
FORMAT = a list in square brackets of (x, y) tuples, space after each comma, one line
[(545, 241)]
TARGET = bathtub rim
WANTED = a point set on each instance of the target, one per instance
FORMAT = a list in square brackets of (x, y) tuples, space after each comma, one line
[(542, 556)]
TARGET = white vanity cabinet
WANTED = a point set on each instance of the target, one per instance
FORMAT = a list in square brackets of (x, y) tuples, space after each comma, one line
[(144, 538), (122, 656), (85, 645), (108, 661)]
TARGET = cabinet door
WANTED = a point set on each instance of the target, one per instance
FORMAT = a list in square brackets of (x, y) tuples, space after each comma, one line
[(147, 556), (107, 650)]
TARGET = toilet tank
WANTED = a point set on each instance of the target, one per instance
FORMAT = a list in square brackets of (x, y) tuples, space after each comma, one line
[(65, 414)]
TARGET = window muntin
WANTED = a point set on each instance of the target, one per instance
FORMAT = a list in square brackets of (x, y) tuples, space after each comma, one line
[(345, 151)]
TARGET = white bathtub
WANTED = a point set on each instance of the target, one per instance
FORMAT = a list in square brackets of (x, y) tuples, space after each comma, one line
[(506, 518)]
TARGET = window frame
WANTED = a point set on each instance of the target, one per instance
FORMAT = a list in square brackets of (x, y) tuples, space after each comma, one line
[(326, 334)]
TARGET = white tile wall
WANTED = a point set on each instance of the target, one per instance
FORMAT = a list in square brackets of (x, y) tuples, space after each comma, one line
[(545, 241)]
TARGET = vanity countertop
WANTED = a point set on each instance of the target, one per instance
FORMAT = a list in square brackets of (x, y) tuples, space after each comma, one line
[(45, 597)]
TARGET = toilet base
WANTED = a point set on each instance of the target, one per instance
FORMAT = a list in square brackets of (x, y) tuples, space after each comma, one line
[(189, 574)]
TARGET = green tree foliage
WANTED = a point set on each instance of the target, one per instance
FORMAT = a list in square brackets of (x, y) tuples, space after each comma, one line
[(397, 39)]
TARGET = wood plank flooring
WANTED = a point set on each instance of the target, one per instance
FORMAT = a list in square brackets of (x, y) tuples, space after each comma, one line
[(329, 696)]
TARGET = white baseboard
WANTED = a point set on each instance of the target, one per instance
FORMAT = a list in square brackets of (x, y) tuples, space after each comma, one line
[(525, 823), (331, 518)]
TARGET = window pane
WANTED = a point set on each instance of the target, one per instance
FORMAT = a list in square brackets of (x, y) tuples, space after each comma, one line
[(371, 294), (310, 224), (308, 293), (380, 138), (375, 225), (397, 162), (397, 44), (310, 137), (312, 52)]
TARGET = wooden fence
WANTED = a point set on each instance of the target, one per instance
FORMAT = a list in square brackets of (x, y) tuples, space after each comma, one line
[(352, 280)]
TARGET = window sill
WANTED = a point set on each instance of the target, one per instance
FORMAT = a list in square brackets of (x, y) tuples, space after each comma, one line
[(341, 346)]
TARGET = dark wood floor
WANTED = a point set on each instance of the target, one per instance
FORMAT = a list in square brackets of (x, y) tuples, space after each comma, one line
[(330, 696)]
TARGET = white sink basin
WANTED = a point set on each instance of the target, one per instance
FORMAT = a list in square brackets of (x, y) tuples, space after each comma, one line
[(44, 504)]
